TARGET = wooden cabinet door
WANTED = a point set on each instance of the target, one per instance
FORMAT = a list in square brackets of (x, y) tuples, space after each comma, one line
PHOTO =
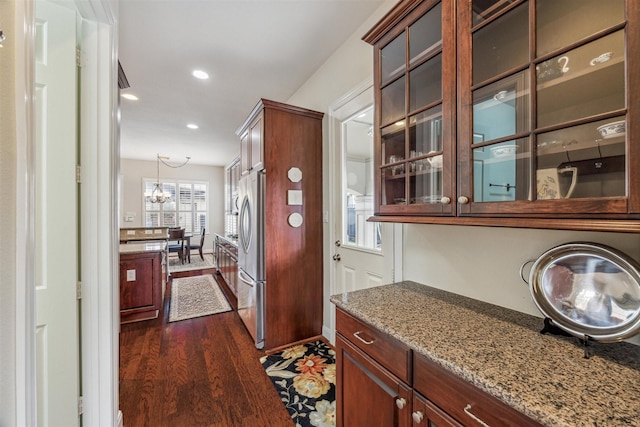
[(245, 154), (534, 97), (367, 394), (426, 414), (140, 286), (256, 136)]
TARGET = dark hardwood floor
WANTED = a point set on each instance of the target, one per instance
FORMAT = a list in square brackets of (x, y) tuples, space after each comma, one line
[(197, 372)]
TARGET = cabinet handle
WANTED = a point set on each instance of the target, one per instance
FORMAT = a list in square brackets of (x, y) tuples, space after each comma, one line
[(400, 403), (445, 200), (417, 417), (467, 410), (357, 335), (463, 200)]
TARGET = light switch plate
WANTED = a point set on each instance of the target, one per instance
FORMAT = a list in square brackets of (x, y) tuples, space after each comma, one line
[(294, 197), (131, 275)]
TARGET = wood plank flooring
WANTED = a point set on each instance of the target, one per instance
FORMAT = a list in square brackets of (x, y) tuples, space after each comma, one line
[(197, 372)]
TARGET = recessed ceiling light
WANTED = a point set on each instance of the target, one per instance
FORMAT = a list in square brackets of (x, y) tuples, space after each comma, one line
[(192, 126), (199, 74), (130, 96)]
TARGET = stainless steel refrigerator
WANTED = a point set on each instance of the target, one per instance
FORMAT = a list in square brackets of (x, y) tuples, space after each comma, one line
[(251, 260)]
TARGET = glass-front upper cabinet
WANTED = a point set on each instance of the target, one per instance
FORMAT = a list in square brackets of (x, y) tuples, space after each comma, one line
[(415, 106), (544, 117)]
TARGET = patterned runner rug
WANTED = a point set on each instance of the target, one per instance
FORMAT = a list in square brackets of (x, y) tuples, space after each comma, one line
[(196, 296), (196, 263), (305, 378)]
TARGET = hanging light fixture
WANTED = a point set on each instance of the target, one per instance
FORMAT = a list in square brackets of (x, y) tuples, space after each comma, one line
[(157, 195)]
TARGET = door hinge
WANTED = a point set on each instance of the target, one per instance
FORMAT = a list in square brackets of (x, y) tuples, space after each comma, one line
[(78, 174), (80, 405), (79, 289), (79, 58)]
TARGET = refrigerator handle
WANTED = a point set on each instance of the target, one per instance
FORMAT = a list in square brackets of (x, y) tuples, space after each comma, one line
[(244, 219), (245, 278)]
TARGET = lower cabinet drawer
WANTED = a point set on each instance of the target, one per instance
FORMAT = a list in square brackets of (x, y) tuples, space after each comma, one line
[(461, 400), (385, 349)]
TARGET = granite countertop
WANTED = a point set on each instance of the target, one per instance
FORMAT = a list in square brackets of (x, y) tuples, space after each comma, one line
[(502, 352), (228, 239), (138, 248)]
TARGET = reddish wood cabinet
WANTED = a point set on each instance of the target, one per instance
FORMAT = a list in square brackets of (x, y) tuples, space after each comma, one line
[(141, 282), (508, 113), (284, 143)]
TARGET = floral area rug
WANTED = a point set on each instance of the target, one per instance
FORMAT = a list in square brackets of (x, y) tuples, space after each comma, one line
[(196, 296), (305, 378)]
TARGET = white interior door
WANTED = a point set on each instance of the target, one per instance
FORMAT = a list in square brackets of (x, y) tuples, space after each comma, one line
[(361, 252), (56, 246)]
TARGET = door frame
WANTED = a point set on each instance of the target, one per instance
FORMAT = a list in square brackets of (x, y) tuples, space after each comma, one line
[(394, 247), (99, 142)]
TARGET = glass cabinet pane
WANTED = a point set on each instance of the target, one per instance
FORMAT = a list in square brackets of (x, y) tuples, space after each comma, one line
[(425, 35), (425, 132), (502, 108), (393, 185), (393, 143), (425, 180), (485, 9), (425, 83), (392, 102), (501, 172), (393, 58), (582, 161), (561, 23), (585, 81), (493, 53)]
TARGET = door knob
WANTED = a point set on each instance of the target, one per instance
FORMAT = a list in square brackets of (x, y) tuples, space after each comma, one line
[(337, 257), (338, 243)]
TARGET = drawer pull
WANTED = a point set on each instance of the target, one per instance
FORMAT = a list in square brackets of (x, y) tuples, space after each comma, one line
[(417, 417), (357, 335), (467, 410), (400, 403)]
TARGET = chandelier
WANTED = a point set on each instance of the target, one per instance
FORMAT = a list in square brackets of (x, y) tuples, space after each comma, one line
[(157, 195)]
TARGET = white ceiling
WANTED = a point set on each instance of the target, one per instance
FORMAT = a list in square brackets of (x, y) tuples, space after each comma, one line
[(251, 50)]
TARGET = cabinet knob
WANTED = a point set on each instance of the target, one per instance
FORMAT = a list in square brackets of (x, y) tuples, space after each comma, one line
[(463, 200), (417, 417), (445, 200), (401, 403)]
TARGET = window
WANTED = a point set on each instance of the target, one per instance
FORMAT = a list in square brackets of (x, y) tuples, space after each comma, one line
[(357, 188), (187, 208)]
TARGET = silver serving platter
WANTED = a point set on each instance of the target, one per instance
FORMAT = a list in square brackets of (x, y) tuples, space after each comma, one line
[(588, 290)]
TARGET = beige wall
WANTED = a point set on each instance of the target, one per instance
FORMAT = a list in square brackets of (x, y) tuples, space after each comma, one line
[(8, 175), (479, 262), (132, 173)]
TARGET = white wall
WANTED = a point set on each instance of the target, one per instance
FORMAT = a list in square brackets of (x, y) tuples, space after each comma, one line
[(479, 262), (132, 172)]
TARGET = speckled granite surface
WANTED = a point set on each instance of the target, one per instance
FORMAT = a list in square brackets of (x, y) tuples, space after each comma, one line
[(502, 352), (138, 248)]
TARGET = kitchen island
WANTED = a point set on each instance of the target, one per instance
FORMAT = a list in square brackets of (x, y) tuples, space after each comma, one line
[(502, 353), (142, 278)]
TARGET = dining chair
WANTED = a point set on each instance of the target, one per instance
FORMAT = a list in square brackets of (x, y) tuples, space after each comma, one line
[(177, 234), (198, 246)]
